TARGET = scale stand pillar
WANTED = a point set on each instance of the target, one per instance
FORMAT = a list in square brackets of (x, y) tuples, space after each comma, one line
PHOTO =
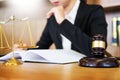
[(13, 60)]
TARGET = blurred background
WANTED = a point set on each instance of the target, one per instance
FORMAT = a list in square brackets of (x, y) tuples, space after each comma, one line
[(35, 12)]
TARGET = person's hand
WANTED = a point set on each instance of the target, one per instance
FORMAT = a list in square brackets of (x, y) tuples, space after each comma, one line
[(58, 12)]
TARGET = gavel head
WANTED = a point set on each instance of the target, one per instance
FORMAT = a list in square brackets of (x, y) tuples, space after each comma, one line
[(98, 46)]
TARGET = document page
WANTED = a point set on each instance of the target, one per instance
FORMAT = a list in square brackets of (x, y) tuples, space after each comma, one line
[(10, 55), (45, 55), (52, 56)]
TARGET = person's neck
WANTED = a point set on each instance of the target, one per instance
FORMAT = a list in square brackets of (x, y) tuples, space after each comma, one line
[(69, 7)]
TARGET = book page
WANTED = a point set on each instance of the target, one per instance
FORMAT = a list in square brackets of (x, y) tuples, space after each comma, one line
[(10, 55), (52, 56), (32, 57), (49, 56)]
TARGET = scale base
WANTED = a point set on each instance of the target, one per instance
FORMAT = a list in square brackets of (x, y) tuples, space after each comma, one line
[(107, 62), (13, 61)]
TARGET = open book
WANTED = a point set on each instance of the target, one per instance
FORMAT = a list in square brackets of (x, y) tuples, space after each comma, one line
[(49, 56)]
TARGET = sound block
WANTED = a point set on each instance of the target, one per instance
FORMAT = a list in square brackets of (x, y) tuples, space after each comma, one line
[(106, 62)]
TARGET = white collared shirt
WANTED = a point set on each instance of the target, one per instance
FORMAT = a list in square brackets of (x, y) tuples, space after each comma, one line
[(70, 17)]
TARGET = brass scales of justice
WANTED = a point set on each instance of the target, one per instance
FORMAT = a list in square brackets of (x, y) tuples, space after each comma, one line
[(20, 42), (3, 36), (13, 60)]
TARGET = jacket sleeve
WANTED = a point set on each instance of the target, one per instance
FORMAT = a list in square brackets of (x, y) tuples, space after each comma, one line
[(45, 39), (80, 40)]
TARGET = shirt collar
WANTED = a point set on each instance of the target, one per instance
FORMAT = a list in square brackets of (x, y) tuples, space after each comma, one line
[(72, 15)]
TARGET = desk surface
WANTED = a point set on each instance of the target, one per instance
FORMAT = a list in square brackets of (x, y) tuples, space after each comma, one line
[(42, 71)]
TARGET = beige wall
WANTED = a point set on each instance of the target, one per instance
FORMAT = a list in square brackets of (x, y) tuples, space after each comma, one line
[(37, 20)]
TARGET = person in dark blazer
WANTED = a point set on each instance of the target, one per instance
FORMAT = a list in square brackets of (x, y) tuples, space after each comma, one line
[(87, 21)]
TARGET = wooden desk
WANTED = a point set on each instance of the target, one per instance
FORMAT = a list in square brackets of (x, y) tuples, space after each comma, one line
[(41, 71)]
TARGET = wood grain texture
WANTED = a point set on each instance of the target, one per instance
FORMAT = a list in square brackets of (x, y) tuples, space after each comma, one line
[(40, 71)]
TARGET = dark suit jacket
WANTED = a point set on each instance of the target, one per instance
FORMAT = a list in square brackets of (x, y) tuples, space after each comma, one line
[(90, 20)]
